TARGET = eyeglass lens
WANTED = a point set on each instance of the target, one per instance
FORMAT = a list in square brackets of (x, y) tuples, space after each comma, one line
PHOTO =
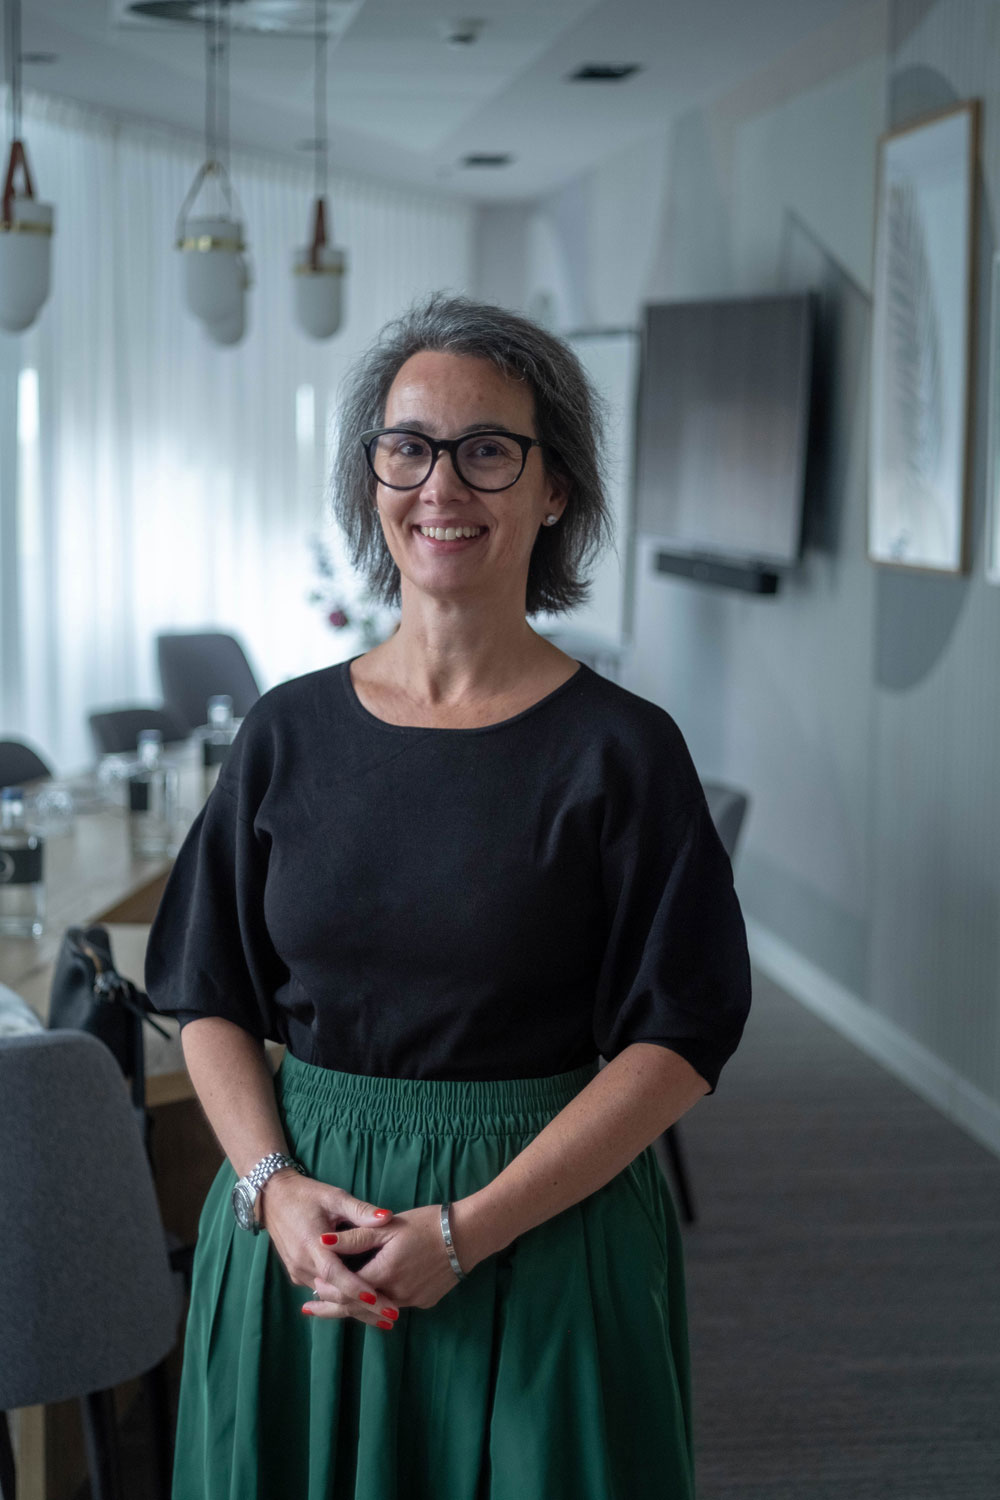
[(486, 461)]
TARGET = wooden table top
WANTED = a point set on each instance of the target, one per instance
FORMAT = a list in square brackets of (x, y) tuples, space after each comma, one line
[(91, 876)]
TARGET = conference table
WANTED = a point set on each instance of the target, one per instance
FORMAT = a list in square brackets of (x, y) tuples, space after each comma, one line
[(91, 876)]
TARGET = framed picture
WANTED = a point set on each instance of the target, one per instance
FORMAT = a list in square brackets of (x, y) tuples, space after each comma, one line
[(921, 343), (993, 468)]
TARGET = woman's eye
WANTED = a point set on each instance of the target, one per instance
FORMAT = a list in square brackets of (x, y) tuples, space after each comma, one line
[(409, 448), (489, 448)]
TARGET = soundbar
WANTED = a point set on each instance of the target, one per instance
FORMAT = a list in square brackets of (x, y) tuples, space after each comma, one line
[(749, 578)]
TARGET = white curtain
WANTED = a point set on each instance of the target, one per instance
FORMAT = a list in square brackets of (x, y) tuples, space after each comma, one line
[(150, 480)]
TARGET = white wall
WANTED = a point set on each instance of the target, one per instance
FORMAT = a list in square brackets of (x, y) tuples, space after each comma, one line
[(861, 707)]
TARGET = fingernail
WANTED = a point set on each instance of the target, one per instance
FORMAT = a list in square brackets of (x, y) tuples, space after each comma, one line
[(368, 1297), (390, 1312), (308, 1312), (381, 1213), (328, 1239), (380, 1324)]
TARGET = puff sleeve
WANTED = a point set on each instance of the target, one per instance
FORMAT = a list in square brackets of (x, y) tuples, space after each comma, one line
[(209, 951), (676, 970)]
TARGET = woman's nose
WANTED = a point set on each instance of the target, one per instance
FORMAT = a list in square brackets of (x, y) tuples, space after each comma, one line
[(444, 479)]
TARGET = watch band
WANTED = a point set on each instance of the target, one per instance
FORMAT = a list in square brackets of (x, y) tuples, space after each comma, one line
[(268, 1165), (448, 1242)]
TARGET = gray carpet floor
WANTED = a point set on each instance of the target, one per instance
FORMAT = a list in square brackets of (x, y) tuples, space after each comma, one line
[(843, 1279), (843, 1282)]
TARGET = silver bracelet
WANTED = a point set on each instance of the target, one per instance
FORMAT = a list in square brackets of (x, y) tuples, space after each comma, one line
[(449, 1244)]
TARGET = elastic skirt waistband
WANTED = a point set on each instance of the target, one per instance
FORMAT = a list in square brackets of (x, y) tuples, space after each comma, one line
[(425, 1106)]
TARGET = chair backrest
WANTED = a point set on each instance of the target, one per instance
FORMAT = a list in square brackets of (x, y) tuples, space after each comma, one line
[(728, 806), (196, 667), (116, 730), (87, 1297), (19, 763), (600, 655)]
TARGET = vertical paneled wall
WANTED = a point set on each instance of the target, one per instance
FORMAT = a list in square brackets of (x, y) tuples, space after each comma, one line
[(159, 481)]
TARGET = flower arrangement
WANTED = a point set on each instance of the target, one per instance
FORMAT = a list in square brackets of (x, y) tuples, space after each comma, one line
[(347, 606)]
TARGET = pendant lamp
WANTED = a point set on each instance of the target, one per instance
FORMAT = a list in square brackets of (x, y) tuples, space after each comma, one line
[(319, 268), (25, 224), (216, 271)]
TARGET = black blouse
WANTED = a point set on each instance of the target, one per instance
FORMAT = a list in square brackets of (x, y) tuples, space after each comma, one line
[(500, 902)]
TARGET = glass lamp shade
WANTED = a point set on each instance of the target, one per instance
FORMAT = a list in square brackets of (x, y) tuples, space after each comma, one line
[(319, 294), (25, 263), (214, 269), (229, 330)]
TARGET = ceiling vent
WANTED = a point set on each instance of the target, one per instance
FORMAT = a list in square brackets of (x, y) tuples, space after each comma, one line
[(487, 159), (604, 72)]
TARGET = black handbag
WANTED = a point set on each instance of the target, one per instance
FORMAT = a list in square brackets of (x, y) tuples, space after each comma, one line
[(89, 994)]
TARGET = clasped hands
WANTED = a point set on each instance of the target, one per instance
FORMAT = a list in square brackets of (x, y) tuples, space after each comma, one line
[(410, 1266)]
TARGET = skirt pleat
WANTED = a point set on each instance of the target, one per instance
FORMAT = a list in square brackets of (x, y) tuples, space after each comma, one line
[(558, 1370)]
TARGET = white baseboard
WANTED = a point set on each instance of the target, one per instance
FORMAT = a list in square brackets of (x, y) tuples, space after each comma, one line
[(881, 1039)]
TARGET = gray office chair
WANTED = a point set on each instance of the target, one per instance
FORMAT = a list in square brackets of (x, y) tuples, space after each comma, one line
[(601, 655), (115, 731), (196, 667), (19, 763), (728, 806), (87, 1297)]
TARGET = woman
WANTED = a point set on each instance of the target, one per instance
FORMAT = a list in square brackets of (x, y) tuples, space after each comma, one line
[(448, 875)]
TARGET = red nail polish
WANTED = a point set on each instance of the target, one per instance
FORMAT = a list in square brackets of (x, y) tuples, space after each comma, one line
[(308, 1312), (390, 1312), (328, 1239), (381, 1213), (380, 1324), (369, 1298)]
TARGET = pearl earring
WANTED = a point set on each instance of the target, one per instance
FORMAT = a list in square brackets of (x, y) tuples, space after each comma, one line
[(551, 520)]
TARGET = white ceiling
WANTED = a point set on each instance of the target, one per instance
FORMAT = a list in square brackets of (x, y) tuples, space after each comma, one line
[(405, 105)]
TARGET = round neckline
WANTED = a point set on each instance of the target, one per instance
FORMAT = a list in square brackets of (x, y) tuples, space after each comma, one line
[(367, 714)]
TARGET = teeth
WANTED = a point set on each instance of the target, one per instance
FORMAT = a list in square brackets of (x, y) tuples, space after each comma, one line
[(449, 533)]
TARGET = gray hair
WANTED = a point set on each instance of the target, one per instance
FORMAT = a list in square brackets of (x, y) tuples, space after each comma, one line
[(568, 417)]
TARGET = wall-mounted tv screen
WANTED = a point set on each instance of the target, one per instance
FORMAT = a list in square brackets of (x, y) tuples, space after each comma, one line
[(724, 399)]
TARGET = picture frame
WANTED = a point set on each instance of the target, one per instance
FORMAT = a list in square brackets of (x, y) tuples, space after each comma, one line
[(993, 462), (924, 270)]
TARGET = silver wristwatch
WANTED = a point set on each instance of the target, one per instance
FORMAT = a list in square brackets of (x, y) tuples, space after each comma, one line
[(247, 1190)]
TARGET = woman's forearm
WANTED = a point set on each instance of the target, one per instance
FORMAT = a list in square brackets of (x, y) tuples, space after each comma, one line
[(619, 1113), (235, 1087)]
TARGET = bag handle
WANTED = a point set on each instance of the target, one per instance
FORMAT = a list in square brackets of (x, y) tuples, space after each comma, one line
[(112, 987)]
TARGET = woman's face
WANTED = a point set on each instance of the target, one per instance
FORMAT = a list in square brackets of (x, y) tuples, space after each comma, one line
[(449, 396)]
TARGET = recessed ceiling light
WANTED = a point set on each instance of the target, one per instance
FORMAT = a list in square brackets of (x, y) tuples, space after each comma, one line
[(487, 159), (603, 72)]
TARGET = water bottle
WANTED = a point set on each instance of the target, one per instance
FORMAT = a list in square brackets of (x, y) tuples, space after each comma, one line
[(217, 736), (22, 886), (152, 800)]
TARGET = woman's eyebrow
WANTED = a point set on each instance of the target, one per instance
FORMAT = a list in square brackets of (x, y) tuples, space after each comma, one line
[(487, 427), (414, 424)]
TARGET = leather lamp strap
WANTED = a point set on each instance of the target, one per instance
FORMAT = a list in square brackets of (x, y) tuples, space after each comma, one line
[(16, 159), (319, 234)]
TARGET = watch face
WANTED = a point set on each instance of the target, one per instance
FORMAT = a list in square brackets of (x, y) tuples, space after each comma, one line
[(243, 1202)]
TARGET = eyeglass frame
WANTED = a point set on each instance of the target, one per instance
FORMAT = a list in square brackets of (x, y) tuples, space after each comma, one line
[(449, 446)]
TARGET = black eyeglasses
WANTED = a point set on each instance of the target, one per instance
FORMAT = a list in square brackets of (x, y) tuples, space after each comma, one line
[(402, 459)]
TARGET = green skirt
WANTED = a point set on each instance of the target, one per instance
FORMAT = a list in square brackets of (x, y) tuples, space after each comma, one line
[(557, 1371)]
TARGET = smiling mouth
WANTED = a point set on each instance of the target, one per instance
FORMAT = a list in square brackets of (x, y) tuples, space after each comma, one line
[(450, 533)]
